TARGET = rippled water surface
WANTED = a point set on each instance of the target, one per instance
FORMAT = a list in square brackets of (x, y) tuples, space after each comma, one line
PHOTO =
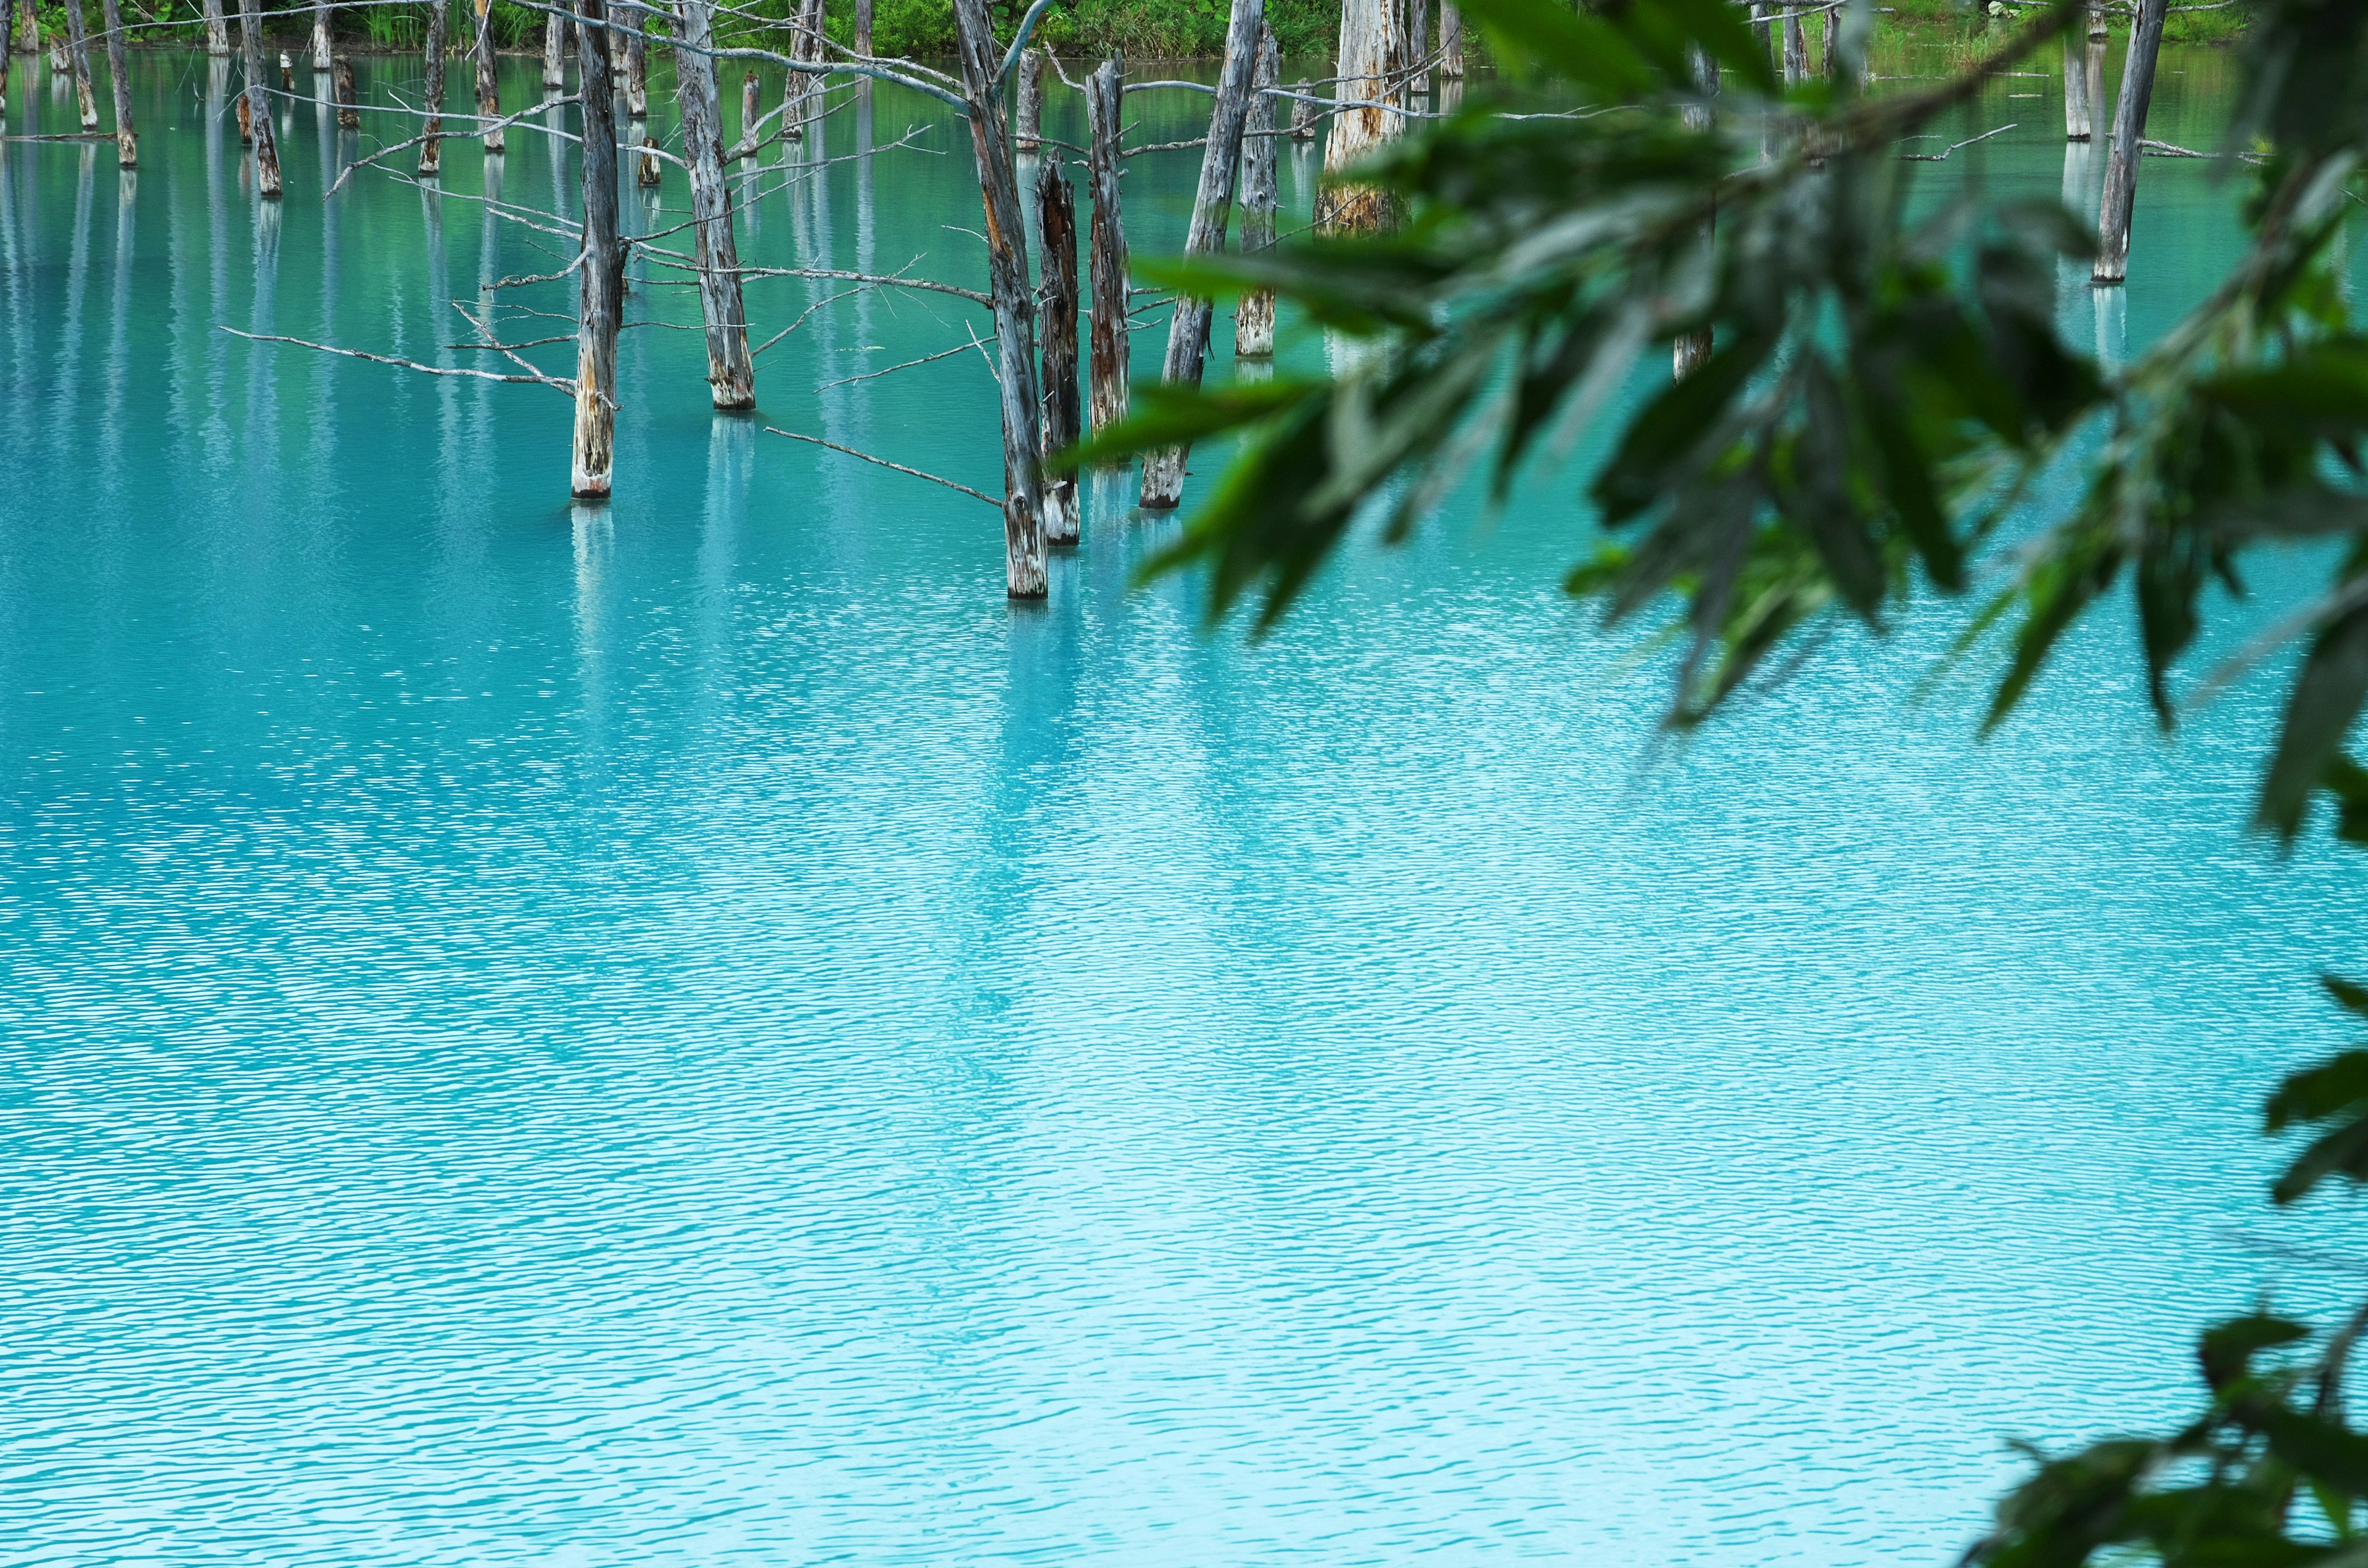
[(690, 1032)]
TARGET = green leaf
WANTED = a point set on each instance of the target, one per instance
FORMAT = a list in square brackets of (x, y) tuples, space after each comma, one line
[(2326, 698)]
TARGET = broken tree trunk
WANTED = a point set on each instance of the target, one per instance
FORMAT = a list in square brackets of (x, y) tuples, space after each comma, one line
[(78, 62), (1303, 112), (1056, 229), (431, 151), (730, 373), (350, 109), (1107, 249), (1372, 52), (637, 69), (246, 121), (258, 106), (127, 140), (489, 81), (1212, 205), (2129, 127), (217, 30), (603, 264), (1015, 317), (1254, 317), (653, 173), (1031, 101), (1451, 40), (748, 112), (323, 16), (555, 63)]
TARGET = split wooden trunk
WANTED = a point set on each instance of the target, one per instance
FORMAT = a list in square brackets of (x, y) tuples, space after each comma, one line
[(2129, 128), (731, 375), (602, 267), (1261, 151), (1056, 229), (1107, 249)]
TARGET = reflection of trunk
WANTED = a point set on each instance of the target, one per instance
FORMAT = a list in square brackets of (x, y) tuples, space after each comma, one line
[(78, 62), (1254, 317), (1371, 53), (2129, 126), (258, 107), (1108, 249), (489, 82), (730, 375), (350, 112), (127, 140), (1014, 319), (1188, 328), (1056, 224), (602, 264), (217, 30), (431, 151), (323, 14), (1031, 101), (1451, 41)]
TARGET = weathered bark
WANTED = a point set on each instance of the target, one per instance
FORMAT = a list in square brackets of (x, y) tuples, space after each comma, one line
[(730, 373), (1830, 41), (555, 62), (2079, 119), (653, 172), (801, 90), (1107, 248), (2129, 127), (1451, 40), (1014, 316), (28, 27), (1372, 52), (1056, 228), (258, 106), (1303, 112), (431, 151), (127, 140), (78, 62), (637, 67), (217, 30), (1254, 317), (489, 81), (1419, 47), (1760, 26), (1212, 206), (324, 14), (1796, 45), (862, 27), (246, 121), (748, 112), (603, 265), (1031, 101), (2100, 40)]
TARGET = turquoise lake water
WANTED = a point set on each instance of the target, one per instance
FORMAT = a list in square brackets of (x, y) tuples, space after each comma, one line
[(693, 1032)]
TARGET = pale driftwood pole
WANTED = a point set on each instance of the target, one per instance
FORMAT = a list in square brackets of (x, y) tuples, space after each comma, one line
[(1451, 40), (78, 62), (258, 106), (1014, 316), (2078, 120), (1303, 112), (431, 150), (602, 264), (2129, 128), (1372, 50), (1056, 227), (217, 30), (323, 17), (489, 81), (127, 140), (1107, 248), (1212, 205), (637, 69), (555, 63), (349, 109), (1261, 151), (1031, 101), (730, 373)]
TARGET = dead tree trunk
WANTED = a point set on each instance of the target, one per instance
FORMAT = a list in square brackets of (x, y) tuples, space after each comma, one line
[(748, 112), (258, 106), (324, 14), (431, 151), (28, 27), (555, 62), (801, 90), (2078, 119), (1212, 206), (1031, 101), (1107, 248), (637, 68), (1303, 112), (603, 264), (2100, 39), (489, 81), (863, 27), (1015, 318), (127, 140), (245, 120), (1451, 40), (78, 62), (217, 30), (1796, 45), (350, 109), (1254, 317), (1372, 54), (1056, 228), (1419, 47), (730, 373), (2129, 127)]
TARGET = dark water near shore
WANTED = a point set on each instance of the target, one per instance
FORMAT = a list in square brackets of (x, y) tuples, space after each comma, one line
[(691, 1031)]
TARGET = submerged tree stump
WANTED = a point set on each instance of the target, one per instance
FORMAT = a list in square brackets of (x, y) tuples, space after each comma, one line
[(246, 121), (78, 62), (1261, 151), (1056, 229), (555, 62), (2129, 128), (1372, 52), (431, 150), (1796, 45), (1304, 111), (653, 173), (602, 265), (637, 68), (258, 106), (731, 374), (127, 140), (350, 109), (489, 81), (1015, 314), (748, 113), (324, 14), (1107, 249), (1212, 205)]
